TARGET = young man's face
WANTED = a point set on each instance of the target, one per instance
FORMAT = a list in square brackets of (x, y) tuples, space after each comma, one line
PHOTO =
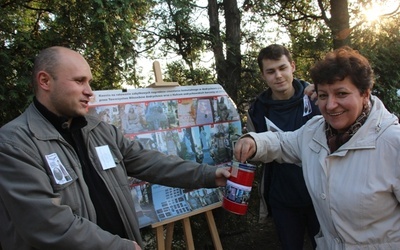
[(278, 75)]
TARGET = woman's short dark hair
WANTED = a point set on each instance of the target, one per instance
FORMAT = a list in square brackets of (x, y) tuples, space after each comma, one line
[(341, 63)]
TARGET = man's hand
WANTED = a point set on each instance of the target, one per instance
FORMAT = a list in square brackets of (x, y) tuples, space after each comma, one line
[(137, 247), (221, 175), (245, 148)]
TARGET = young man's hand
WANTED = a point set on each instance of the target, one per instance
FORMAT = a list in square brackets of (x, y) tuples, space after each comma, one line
[(310, 91)]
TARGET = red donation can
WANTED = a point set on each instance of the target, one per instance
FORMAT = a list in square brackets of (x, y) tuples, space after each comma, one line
[(238, 188)]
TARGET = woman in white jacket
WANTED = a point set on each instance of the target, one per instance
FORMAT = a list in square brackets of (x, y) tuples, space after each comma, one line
[(349, 156)]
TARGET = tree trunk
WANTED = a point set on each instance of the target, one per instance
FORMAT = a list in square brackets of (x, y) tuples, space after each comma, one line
[(229, 69), (339, 24), (216, 41), (233, 53)]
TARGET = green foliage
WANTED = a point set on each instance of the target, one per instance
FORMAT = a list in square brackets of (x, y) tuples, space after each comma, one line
[(177, 72), (381, 45), (251, 83), (172, 28), (104, 31)]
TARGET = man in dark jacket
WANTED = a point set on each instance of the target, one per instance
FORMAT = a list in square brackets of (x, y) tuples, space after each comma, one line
[(284, 106), (63, 174)]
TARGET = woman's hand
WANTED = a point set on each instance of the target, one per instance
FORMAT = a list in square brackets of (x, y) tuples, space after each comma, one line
[(245, 148)]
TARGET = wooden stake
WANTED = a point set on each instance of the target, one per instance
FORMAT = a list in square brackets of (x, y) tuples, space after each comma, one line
[(159, 80)]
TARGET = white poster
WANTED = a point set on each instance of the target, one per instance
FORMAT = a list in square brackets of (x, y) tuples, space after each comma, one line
[(197, 123)]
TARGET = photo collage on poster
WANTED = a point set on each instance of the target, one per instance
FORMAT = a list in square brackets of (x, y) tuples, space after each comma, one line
[(196, 123)]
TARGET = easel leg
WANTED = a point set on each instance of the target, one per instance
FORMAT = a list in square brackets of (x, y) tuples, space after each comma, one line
[(160, 237), (188, 234), (169, 235), (165, 240), (213, 230)]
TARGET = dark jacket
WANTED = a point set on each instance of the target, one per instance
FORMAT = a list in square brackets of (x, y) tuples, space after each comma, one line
[(282, 184)]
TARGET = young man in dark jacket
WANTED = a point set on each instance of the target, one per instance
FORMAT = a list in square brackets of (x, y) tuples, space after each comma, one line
[(284, 106)]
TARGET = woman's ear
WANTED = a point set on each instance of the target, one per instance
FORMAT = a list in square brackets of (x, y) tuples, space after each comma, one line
[(366, 95)]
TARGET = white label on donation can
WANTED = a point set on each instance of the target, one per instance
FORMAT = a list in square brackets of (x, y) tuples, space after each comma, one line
[(235, 169)]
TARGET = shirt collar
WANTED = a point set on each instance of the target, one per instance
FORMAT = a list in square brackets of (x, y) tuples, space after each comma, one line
[(60, 122)]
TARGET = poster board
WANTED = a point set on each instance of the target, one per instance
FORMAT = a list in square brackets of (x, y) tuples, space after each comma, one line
[(197, 123)]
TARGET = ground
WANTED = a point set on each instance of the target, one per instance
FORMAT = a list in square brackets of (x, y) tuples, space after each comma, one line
[(256, 236), (250, 234), (235, 231)]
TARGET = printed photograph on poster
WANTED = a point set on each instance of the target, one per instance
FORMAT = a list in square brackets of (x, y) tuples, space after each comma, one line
[(197, 123), (109, 114), (133, 118), (226, 110), (143, 202), (204, 111), (203, 197)]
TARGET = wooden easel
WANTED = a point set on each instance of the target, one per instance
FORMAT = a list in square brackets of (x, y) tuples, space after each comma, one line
[(159, 80), (165, 242)]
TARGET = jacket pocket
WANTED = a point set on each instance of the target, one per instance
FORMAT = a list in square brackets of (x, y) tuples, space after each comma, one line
[(63, 177), (65, 183), (59, 171), (320, 241), (115, 176)]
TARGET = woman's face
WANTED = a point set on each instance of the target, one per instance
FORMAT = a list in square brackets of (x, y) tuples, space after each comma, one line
[(341, 103)]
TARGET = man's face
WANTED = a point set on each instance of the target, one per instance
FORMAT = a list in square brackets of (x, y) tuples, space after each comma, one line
[(70, 91), (278, 75)]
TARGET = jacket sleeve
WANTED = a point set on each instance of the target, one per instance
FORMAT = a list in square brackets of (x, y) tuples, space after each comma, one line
[(249, 123), (288, 147), (159, 168), (283, 147), (30, 210)]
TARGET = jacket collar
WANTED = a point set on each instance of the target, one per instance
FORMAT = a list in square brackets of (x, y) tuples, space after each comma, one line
[(43, 128), (265, 98), (60, 122), (378, 121)]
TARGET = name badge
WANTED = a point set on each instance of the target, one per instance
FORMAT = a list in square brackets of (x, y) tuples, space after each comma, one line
[(61, 175), (105, 156)]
